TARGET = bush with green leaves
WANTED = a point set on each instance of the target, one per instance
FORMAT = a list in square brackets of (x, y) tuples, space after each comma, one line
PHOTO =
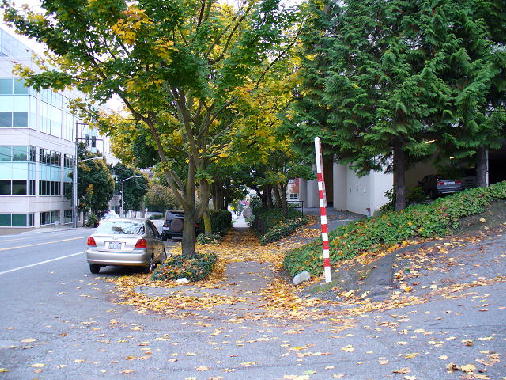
[(195, 268), (272, 224), (438, 218), (221, 221), (282, 230), (208, 239)]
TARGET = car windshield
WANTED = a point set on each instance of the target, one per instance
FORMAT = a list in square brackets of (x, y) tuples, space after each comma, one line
[(121, 227)]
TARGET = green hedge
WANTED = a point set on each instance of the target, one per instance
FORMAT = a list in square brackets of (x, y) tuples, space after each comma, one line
[(221, 221), (194, 269), (272, 224), (429, 220), (282, 230)]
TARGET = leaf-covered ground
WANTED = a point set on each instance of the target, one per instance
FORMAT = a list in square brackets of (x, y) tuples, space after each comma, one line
[(454, 278)]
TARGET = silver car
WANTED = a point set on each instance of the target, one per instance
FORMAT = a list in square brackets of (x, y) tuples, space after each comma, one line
[(121, 241)]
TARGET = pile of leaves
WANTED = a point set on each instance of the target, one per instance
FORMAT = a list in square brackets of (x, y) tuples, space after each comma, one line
[(273, 224), (195, 268), (381, 232)]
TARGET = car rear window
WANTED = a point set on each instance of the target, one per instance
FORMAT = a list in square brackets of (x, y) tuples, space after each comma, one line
[(124, 227)]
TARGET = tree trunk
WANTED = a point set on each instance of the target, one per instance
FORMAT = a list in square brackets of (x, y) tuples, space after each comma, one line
[(268, 196), (481, 167), (284, 201), (207, 222), (399, 176), (277, 196), (188, 243)]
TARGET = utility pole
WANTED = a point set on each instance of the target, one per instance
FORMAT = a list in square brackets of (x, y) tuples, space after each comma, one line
[(74, 178)]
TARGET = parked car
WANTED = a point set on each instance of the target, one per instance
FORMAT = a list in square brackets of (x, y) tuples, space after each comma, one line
[(174, 225), (125, 242), (436, 185)]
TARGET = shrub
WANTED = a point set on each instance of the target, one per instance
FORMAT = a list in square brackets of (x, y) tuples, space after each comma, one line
[(282, 230), (221, 221), (273, 224), (208, 238), (423, 220), (195, 268)]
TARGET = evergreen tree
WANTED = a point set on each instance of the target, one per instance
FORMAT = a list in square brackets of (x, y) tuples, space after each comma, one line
[(384, 81)]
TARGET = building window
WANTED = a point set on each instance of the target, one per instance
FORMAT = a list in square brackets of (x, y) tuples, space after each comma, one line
[(19, 87), (49, 188), (33, 154), (6, 86), (19, 220), (16, 220), (19, 153), (5, 220), (20, 119), (5, 153), (49, 217), (67, 216), (5, 119), (5, 187), (19, 187)]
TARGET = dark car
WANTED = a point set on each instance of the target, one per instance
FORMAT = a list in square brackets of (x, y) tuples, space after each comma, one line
[(174, 225), (436, 185)]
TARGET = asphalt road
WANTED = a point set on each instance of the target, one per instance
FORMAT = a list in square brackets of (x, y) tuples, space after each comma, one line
[(58, 321)]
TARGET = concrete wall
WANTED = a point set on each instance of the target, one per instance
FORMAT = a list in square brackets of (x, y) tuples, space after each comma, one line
[(362, 195), (417, 172)]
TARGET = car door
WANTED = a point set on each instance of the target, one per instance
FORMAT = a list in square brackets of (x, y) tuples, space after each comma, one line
[(156, 242)]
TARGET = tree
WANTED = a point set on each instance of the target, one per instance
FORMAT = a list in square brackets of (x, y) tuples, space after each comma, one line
[(378, 74), (173, 64), (159, 198), (95, 185), (133, 189)]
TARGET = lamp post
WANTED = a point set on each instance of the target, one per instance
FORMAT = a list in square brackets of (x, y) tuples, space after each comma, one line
[(123, 192)]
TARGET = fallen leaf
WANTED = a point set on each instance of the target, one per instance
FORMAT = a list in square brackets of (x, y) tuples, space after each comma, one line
[(202, 368), (38, 365), (29, 340), (348, 348), (443, 357), (127, 371), (402, 371), (468, 368)]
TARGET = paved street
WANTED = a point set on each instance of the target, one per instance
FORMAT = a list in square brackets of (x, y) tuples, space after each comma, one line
[(60, 322)]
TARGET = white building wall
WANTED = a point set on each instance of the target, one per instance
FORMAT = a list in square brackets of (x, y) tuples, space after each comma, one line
[(340, 187)]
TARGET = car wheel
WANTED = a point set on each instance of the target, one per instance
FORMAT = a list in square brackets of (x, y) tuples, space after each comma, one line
[(164, 237), (163, 256), (95, 268), (433, 194), (150, 267)]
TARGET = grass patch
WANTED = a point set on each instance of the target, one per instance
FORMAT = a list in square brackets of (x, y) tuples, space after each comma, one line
[(418, 221)]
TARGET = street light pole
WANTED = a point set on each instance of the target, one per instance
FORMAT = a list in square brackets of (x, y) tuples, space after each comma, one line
[(75, 211), (123, 192)]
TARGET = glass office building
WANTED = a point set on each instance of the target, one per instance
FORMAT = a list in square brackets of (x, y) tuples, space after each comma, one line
[(36, 147)]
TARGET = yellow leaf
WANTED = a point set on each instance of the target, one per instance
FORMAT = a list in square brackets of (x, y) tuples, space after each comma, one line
[(468, 368), (127, 371), (3, 370), (411, 355), (402, 371), (443, 357), (202, 368), (29, 340), (38, 365), (348, 348)]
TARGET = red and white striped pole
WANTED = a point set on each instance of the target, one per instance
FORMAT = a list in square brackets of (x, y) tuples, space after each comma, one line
[(323, 211)]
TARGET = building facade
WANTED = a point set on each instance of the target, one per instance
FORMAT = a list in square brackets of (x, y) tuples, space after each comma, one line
[(37, 134)]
